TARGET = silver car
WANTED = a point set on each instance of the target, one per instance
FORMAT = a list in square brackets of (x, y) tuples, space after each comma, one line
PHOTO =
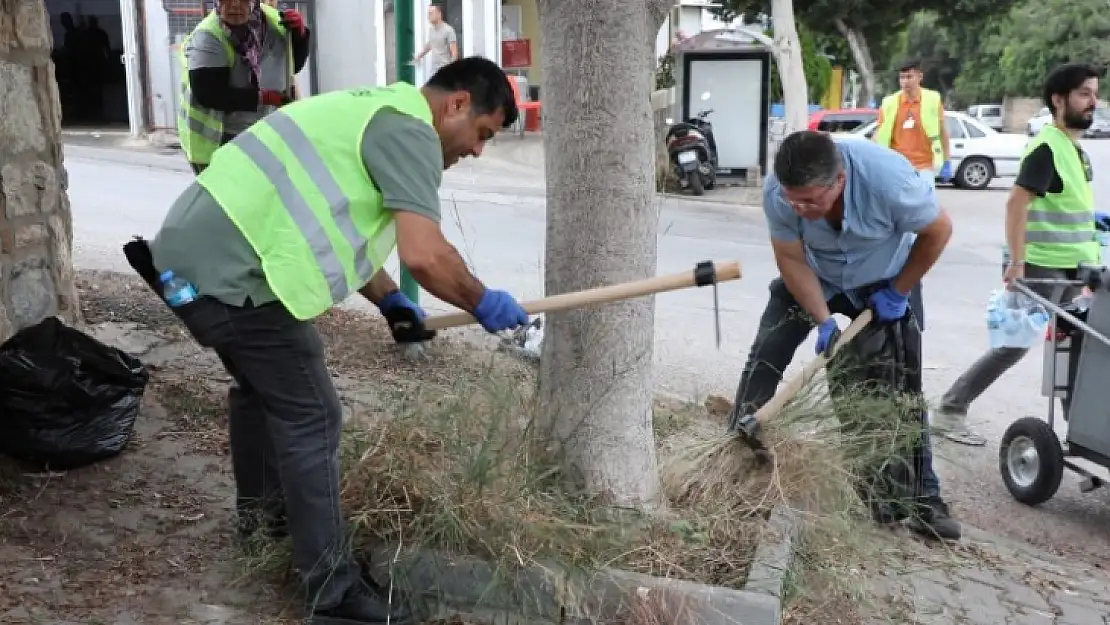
[(1100, 128), (1038, 121)]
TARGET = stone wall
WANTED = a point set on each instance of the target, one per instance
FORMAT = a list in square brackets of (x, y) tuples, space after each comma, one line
[(36, 230)]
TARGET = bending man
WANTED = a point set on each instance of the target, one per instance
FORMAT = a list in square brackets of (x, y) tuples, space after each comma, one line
[(852, 225), (295, 214)]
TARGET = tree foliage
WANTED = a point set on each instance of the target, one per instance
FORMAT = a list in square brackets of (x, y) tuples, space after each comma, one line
[(817, 68)]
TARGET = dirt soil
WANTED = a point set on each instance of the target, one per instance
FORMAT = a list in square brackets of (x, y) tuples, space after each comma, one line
[(145, 538)]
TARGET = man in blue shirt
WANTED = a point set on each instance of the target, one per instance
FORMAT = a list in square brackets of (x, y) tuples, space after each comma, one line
[(852, 226)]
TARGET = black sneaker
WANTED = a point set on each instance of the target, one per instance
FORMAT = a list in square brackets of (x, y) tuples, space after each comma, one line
[(362, 606), (933, 521)]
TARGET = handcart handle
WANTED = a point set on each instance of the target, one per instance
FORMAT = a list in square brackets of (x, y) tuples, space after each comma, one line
[(1058, 310)]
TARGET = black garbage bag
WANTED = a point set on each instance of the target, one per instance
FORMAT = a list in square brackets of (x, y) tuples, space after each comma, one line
[(66, 399), (876, 388)]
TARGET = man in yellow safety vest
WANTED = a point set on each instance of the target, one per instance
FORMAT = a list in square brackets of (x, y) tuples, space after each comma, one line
[(1051, 228), (911, 122), (292, 216)]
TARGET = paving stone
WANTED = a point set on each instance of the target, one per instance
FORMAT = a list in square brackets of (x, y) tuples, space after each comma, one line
[(1030, 618), (929, 594), (981, 602), (983, 576), (1085, 613), (1025, 596)]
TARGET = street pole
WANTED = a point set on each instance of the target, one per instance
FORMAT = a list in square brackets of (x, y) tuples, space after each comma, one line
[(403, 37)]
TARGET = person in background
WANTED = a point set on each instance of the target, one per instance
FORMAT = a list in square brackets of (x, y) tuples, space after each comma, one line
[(911, 122), (1050, 228), (443, 44), (240, 63)]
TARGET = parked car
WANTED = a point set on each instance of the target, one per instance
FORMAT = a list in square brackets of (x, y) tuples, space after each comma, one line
[(1038, 121), (1100, 128), (841, 120), (979, 153), (987, 114)]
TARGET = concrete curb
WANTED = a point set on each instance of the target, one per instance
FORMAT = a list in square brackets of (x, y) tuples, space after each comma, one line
[(552, 594)]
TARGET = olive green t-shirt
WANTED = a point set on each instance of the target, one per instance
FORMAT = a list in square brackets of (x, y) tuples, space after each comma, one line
[(198, 242)]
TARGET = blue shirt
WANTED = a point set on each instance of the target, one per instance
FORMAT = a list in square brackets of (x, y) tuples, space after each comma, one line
[(885, 203)]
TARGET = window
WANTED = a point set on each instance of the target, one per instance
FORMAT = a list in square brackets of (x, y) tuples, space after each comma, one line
[(955, 128), (992, 111), (974, 132), (843, 122)]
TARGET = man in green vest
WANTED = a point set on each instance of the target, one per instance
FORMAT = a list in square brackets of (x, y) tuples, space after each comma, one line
[(297, 213), (1050, 228), (911, 122)]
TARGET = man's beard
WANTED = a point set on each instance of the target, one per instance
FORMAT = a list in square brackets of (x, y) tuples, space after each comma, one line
[(1075, 120)]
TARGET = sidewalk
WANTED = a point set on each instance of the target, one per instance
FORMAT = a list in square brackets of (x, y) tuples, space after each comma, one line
[(986, 580)]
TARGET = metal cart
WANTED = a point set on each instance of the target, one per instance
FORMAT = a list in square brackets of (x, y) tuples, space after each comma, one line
[(1031, 457)]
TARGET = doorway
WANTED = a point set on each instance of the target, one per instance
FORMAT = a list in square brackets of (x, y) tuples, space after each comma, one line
[(87, 55)]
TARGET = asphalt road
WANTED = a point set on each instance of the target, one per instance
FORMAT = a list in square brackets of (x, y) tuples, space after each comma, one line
[(494, 212)]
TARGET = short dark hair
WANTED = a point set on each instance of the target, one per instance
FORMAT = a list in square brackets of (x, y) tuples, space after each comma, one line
[(909, 64), (806, 158), (487, 84), (1065, 79)]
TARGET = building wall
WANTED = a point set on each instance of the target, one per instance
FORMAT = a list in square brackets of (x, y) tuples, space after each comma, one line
[(350, 43)]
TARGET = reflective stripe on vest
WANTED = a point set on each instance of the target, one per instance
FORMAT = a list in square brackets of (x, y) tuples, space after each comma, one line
[(201, 129), (1060, 228), (307, 221), (295, 185), (930, 122)]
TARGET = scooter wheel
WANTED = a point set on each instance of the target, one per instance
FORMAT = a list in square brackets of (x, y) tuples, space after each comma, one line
[(696, 186)]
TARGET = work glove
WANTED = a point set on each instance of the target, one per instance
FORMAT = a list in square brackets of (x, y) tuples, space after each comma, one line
[(889, 305), (269, 97), (292, 20), (945, 172), (405, 318), (1102, 221), (827, 334), (497, 310)]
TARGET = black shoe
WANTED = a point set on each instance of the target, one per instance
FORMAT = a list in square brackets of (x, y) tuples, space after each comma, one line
[(362, 606), (933, 521)]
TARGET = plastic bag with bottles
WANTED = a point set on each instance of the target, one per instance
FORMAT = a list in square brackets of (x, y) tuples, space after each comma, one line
[(1015, 320)]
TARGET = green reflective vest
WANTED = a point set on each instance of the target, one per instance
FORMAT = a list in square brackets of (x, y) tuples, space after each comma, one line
[(1060, 227), (201, 129), (295, 185), (930, 122)]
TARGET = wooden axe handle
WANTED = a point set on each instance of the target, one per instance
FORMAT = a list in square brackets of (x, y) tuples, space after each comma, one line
[(601, 295), (795, 384)]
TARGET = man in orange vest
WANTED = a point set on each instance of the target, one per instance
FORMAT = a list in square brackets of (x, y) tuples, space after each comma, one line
[(911, 122)]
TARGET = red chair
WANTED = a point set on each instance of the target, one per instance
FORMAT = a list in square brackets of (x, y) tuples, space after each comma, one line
[(523, 106)]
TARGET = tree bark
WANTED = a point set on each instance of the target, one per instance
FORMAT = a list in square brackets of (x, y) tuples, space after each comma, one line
[(788, 58), (857, 43), (596, 371), (36, 230)]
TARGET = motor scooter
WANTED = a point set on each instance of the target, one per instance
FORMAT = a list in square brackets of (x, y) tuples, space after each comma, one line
[(692, 151)]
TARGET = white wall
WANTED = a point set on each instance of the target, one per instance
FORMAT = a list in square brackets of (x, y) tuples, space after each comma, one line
[(160, 54), (350, 43)]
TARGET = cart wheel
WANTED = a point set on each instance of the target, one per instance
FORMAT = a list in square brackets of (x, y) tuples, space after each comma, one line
[(1031, 461)]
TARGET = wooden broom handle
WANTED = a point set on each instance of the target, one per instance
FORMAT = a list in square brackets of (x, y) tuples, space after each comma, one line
[(601, 295), (795, 384)]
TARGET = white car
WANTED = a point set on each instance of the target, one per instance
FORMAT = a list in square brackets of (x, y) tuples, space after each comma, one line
[(979, 153), (1038, 121)]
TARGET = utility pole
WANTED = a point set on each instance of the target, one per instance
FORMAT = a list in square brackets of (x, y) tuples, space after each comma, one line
[(405, 48)]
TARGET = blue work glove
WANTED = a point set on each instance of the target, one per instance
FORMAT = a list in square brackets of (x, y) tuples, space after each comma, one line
[(889, 305), (1102, 221), (827, 334), (497, 310), (405, 318), (945, 171)]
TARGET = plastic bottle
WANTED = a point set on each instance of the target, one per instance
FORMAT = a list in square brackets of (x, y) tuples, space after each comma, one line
[(177, 291)]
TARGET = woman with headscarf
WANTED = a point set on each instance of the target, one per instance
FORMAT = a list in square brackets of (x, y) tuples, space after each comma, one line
[(239, 67)]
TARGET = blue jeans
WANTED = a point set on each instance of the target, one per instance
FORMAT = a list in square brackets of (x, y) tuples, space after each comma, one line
[(782, 328)]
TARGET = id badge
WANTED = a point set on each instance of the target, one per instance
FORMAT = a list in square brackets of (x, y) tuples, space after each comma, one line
[(908, 124)]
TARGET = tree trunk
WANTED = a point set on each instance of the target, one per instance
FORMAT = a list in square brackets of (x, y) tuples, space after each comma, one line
[(788, 58), (857, 43), (596, 371), (36, 230)]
